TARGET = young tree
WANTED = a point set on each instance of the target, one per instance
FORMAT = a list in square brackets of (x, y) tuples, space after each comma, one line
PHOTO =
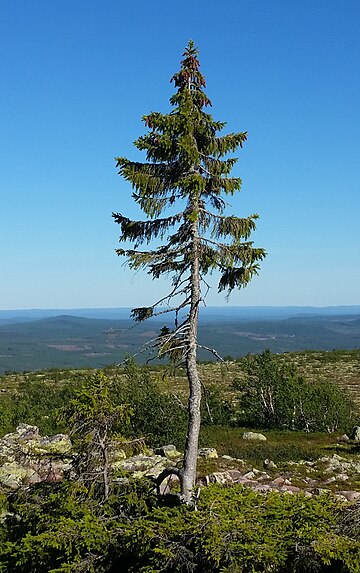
[(94, 420), (187, 171), (274, 394)]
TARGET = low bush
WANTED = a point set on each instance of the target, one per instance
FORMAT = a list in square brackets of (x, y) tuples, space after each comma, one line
[(34, 402), (216, 409), (273, 394), (158, 417), (59, 528)]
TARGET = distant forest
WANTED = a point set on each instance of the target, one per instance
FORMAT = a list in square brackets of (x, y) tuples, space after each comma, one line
[(94, 338)]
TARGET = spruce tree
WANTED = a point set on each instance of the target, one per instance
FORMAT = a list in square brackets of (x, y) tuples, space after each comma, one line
[(181, 188)]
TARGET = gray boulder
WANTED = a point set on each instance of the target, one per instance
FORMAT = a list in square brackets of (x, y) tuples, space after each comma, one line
[(170, 452), (254, 436), (143, 465), (269, 464), (163, 450), (208, 453), (26, 457)]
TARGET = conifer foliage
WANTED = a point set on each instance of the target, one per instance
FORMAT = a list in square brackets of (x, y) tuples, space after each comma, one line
[(181, 189)]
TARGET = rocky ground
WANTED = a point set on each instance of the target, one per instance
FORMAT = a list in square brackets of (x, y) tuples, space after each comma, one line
[(26, 458)]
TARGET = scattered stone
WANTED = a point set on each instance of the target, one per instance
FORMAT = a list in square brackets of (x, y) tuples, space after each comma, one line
[(249, 475), (339, 458), (170, 452), (262, 488), (263, 476), (167, 486), (254, 436), (350, 495), (256, 471), (28, 458), (163, 450), (208, 453), (279, 480), (269, 464), (330, 480), (342, 477), (343, 438), (235, 475), (220, 477), (319, 491), (290, 489), (311, 482)]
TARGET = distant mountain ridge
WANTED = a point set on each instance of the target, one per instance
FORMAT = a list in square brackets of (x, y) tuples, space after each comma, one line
[(66, 341), (208, 312)]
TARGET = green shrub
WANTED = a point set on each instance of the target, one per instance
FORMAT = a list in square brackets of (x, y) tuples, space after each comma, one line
[(58, 528), (216, 409), (158, 417), (35, 402), (273, 394)]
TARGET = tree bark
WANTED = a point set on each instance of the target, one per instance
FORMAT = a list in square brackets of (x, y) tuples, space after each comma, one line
[(188, 474)]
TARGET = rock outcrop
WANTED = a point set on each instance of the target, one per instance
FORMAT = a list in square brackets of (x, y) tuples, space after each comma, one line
[(27, 458)]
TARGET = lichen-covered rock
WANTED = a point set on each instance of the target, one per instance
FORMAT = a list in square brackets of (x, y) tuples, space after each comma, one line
[(208, 453), (143, 465), (220, 477), (249, 475), (59, 444), (163, 450), (13, 474), (170, 452), (269, 464), (254, 436), (350, 495), (27, 432), (26, 457)]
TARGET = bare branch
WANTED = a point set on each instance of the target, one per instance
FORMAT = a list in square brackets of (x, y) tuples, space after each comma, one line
[(213, 351)]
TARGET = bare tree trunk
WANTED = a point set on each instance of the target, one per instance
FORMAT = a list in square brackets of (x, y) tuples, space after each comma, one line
[(188, 474), (103, 444)]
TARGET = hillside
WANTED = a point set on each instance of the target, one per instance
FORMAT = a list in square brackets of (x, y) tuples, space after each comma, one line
[(339, 366), (79, 342)]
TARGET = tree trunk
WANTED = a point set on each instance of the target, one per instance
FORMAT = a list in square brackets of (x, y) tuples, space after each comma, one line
[(188, 474)]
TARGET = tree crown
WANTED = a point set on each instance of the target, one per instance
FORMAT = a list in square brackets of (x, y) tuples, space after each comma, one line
[(188, 165)]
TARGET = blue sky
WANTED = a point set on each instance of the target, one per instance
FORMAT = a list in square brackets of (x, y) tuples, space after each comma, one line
[(77, 76)]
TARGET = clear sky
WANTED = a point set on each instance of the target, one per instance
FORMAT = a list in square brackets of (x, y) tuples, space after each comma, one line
[(76, 77)]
